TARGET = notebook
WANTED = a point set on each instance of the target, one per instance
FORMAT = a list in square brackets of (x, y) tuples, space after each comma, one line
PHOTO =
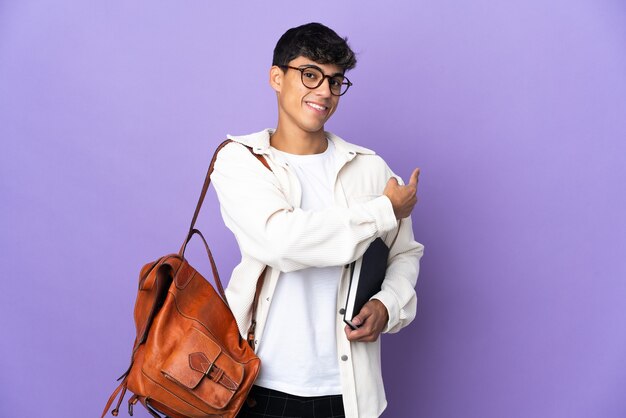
[(366, 278)]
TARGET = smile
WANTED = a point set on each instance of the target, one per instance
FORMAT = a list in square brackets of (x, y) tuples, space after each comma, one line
[(317, 107)]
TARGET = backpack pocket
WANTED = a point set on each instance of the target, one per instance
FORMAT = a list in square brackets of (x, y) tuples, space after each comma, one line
[(199, 365)]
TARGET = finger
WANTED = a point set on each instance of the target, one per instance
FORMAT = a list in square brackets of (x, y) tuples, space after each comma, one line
[(364, 313), (348, 331), (414, 177), (359, 334), (353, 334), (363, 336)]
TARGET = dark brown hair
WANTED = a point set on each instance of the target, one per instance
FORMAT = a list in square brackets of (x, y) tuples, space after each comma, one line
[(316, 42)]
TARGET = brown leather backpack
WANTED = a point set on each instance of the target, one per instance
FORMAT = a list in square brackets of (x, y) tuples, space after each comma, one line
[(188, 359)]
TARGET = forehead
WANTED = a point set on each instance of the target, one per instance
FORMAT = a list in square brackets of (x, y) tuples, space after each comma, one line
[(329, 69)]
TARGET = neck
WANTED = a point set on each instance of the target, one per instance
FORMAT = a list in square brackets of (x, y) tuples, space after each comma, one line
[(297, 141)]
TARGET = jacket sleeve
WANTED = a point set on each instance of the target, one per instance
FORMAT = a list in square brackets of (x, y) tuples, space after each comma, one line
[(269, 229), (398, 288)]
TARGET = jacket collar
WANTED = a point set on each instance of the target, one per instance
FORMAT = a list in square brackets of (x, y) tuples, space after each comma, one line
[(260, 143)]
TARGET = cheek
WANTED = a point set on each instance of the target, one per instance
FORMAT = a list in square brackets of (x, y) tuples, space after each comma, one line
[(334, 108), (289, 99), (295, 96)]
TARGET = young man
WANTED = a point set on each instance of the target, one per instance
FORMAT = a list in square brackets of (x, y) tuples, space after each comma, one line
[(318, 209)]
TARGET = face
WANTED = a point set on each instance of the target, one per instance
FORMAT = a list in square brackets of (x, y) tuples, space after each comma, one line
[(299, 107)]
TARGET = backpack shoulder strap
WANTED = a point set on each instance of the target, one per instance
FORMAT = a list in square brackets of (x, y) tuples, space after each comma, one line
[(192, 231)]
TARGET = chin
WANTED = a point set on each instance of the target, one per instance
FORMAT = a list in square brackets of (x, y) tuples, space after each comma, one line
[(314, 129), (311, 126)]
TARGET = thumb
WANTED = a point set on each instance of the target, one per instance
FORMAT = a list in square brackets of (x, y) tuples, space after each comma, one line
[(361, 317), (414, 177)]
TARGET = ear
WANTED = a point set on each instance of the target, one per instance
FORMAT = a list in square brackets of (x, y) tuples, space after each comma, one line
[(276, 78)]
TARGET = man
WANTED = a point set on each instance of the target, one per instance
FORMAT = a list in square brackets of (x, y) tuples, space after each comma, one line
[(318, 209)]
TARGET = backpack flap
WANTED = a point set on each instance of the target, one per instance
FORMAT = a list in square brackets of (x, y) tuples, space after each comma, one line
[(199, 365)]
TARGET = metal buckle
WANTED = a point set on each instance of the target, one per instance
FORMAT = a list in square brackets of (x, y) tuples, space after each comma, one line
[(209, 370)]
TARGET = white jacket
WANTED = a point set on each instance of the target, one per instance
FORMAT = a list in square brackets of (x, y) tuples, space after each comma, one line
[(262, 209)]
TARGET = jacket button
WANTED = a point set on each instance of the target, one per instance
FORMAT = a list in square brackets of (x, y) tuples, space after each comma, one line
[(342, 311), (267, 299), (344, 358)]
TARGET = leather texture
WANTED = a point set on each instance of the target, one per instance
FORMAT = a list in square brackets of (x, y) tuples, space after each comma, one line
[(188, 359)]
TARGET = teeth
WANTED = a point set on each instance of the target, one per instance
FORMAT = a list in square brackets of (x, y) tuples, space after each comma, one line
[(318, 107)]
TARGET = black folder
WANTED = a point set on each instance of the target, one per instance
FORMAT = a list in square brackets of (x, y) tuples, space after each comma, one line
[(366, 278)]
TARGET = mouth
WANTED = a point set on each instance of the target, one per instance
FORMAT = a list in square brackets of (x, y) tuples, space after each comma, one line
[(317, 107)]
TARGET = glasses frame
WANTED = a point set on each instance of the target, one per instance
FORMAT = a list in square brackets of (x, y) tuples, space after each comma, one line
[(345, 82)]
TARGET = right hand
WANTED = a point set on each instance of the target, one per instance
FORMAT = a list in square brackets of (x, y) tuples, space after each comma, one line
[(403, 198)]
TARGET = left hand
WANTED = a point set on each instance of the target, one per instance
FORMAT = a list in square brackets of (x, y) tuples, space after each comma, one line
[(371, 321)]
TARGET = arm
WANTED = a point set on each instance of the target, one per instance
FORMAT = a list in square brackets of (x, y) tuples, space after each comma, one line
[(269, 229), (394, 307), (398, 288)]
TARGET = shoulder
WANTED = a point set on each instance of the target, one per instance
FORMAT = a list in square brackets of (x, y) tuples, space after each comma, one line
[(259, 141), (234, 159), (365, 172), (230, 153), (361, 159), (344, 146), (363, 153)]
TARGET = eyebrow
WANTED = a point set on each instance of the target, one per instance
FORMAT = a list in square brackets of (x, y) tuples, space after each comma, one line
[(315, 66)]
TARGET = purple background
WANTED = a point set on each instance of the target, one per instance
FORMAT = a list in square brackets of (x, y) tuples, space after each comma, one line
[(110, 111)]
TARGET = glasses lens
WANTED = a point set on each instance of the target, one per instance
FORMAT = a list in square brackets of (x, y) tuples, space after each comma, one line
[(312, 77), (338, 85)]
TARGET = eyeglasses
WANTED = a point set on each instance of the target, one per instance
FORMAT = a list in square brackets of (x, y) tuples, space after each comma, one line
[(313, 77)]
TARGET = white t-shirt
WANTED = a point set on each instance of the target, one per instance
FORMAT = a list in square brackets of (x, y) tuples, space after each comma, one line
[(299, 349)]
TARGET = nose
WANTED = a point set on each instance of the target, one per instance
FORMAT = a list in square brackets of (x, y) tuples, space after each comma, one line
[(324, 88)]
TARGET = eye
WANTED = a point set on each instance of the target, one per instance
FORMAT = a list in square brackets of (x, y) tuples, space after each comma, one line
[(336, 82), (310, 74)]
